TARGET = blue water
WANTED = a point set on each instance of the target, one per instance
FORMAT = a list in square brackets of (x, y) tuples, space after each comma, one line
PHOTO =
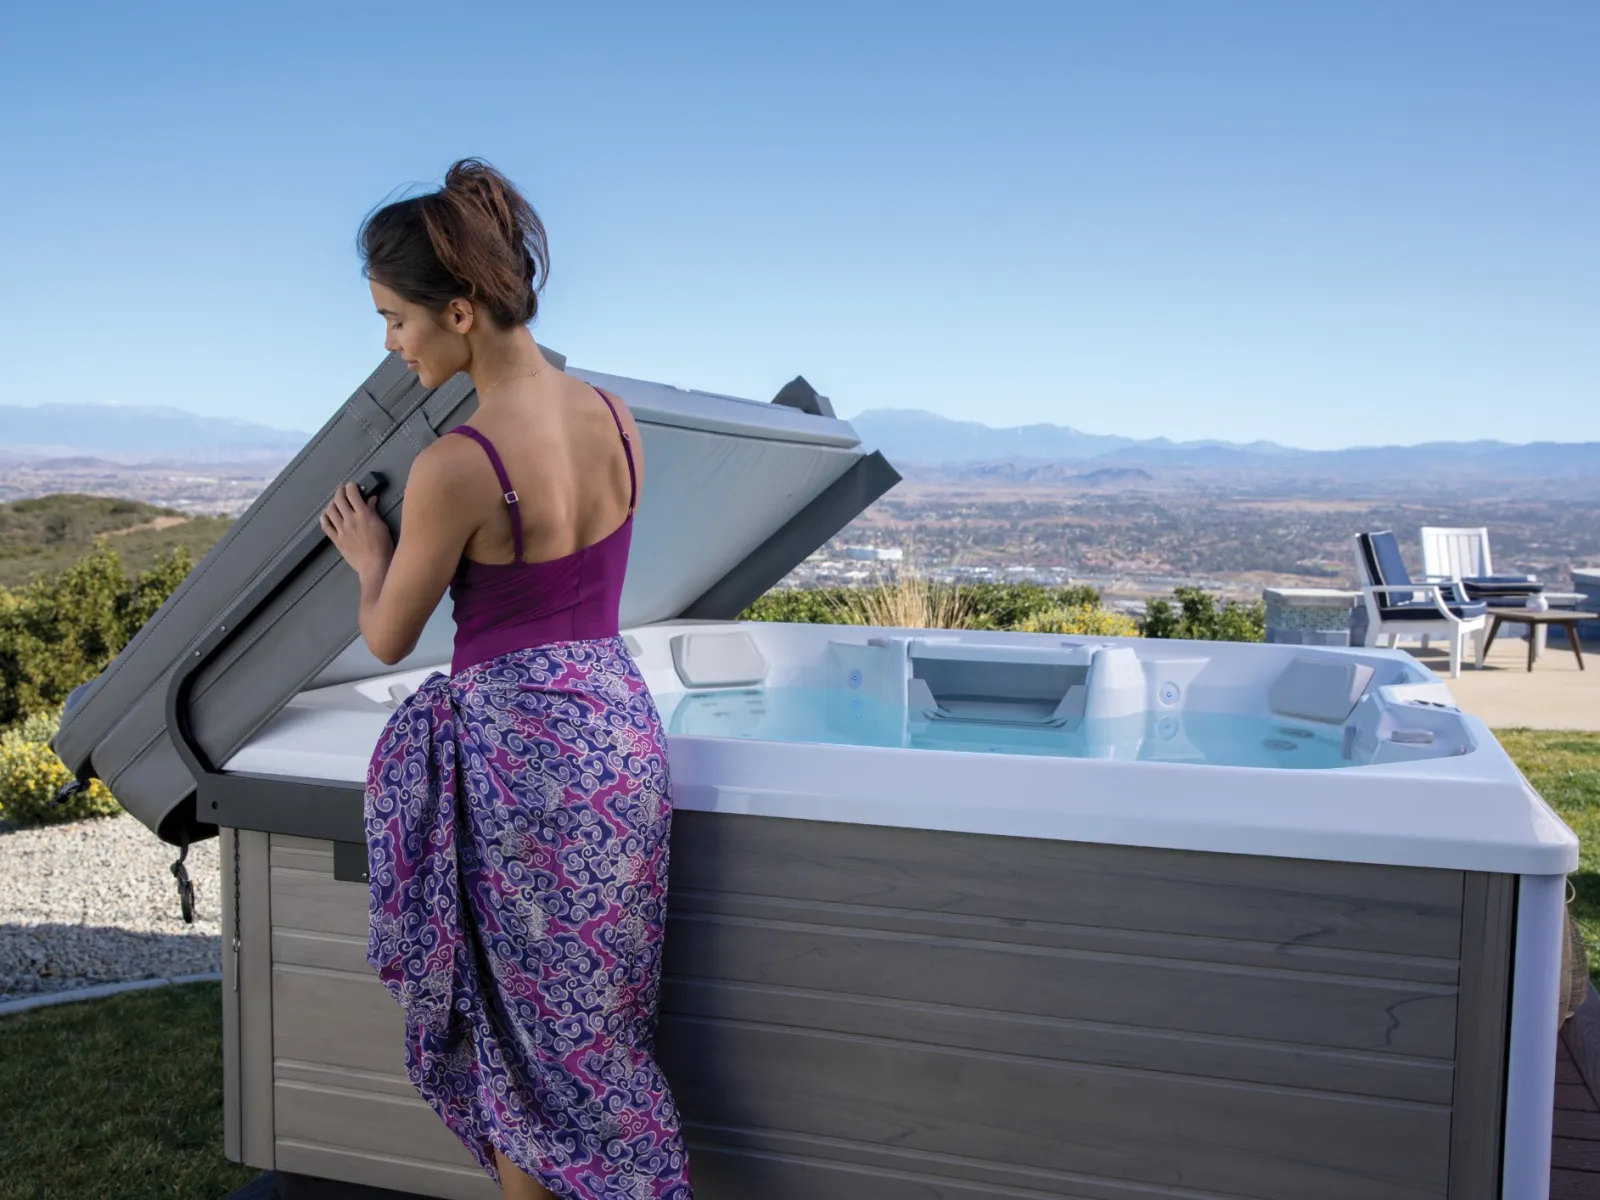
[(833, 716)]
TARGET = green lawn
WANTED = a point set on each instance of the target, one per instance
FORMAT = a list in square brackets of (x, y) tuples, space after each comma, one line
[(117, 1097), (1565, 769), (123, 1097)]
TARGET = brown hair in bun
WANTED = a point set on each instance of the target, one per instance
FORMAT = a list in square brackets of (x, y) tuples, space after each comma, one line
[(476, 238)]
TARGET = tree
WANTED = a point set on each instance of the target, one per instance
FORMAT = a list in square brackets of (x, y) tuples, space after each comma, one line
[(1198, 618)]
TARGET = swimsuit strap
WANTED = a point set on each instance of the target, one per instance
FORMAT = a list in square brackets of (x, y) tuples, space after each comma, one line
[(627, 449), (506, 489)]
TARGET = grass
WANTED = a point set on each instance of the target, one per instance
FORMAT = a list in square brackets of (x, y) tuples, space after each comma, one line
[(116, 1097), (123, 1097), (907, 600), (1564, 768)]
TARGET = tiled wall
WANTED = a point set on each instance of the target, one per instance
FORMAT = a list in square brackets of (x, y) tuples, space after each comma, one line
[(1302, 616)]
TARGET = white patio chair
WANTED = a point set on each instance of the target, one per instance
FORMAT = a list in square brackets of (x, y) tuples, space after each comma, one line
[(1398, 606), (1455, 553), (1462, 555)]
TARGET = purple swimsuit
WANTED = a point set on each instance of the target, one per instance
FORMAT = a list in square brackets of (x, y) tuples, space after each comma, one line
[(518, 819), (508, 606)]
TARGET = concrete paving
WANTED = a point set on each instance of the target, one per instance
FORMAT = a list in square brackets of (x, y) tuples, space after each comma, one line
[(1505, 694)]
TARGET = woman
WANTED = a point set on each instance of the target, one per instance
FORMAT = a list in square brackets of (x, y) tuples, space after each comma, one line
[(518, 812)]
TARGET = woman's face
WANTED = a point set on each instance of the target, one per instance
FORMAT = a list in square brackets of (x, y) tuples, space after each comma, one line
[(434, 345)]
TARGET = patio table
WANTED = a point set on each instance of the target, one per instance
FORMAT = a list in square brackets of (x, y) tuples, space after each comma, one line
[(1566, 618)]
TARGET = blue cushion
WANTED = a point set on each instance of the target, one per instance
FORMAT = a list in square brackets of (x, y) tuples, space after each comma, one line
[(1425, 610), (1391, 566), (1384, 565), (1495, 587)]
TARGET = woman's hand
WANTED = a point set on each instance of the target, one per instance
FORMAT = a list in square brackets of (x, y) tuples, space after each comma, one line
[(354, 527)]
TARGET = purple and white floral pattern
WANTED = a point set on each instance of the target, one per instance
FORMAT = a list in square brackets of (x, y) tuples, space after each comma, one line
[(518, 818)]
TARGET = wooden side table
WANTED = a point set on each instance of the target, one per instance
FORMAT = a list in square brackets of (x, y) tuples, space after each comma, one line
[(1565, 617)]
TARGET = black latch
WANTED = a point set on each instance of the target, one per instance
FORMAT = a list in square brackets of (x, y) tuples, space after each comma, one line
[(68, 790), (181, 874)]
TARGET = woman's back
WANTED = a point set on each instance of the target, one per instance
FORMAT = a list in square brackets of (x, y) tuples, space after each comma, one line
[(562, 453), (547, 562)]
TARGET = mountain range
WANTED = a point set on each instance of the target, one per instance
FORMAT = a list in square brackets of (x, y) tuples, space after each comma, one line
[(125, 432), (907, 437), (911, 436), (918, 436)]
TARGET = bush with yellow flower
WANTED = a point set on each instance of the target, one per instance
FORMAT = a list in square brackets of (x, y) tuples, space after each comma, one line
[(30, 773)]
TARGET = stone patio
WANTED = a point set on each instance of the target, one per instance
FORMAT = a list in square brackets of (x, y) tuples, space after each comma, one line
[(1505, 694)]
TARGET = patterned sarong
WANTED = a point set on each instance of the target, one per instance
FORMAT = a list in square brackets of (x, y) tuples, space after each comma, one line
[(518, 817)]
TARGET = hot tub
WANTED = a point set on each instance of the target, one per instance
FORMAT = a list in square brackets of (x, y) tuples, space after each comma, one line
[(966, 916), (1004, 915)]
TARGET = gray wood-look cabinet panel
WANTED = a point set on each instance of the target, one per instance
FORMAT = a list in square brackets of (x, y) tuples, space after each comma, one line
[(251, 971), (232, 1023), (734, 1164), (329, 951), (301, 855), (316, 902), (1147, 1127), (369, 1122), (1476, 1142), (337, 1019), (858, 1013), (1048, 935), (394, 1171), (1245, 1060), (1195, 997), (1282, 901), (377, 1082)]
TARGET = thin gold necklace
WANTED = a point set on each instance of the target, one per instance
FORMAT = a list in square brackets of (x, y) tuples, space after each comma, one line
[(529, 375)]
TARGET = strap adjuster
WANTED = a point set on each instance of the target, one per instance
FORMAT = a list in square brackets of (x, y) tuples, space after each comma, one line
[(511, 497)]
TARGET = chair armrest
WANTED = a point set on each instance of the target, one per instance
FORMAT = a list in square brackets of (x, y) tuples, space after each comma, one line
[(1436, 591), (1435, 588)]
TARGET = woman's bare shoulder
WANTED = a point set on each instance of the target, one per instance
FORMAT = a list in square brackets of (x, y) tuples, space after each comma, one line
[(620, 407), (449, 461)]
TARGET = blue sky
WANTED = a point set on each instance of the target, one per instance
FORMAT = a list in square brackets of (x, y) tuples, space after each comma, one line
[(1322, 223)]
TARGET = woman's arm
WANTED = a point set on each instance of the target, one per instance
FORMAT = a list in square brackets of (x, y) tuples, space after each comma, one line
[(402, 585)]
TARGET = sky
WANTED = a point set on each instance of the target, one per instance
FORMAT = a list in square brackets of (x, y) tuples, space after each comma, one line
[(1323, 223)]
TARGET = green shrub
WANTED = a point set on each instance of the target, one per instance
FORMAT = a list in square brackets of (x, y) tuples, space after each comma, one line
[(38, 728), (1008, 605), (797, 606), (1091, 620), (30, 773), (909, 601), (56, 633), (1198, 617)]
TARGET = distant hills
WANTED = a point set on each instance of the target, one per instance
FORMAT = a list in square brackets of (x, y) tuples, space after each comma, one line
[(126, 433), (918, 436), (47, 534), (909, 436)]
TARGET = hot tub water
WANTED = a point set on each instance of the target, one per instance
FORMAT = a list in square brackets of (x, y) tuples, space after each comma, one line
[(827, 715)]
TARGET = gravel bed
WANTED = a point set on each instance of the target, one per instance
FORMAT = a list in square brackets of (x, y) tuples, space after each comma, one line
[(94, 901)]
